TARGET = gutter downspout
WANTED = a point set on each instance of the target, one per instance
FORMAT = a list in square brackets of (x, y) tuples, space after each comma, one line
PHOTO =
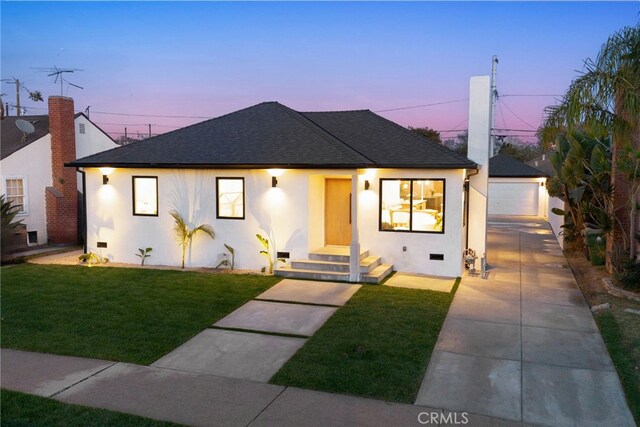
[(467, 185), (84, 209)]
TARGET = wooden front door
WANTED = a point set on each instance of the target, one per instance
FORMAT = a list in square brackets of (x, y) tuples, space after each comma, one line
[(337, 212)]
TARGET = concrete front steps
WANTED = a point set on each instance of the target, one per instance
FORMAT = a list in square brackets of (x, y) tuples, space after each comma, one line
[(332, 263)]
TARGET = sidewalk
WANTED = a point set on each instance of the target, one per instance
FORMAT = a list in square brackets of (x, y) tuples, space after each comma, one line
[(192, 399), (523, 345)]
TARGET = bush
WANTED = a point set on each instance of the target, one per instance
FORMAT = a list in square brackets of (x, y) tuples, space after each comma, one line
[(628, 275)]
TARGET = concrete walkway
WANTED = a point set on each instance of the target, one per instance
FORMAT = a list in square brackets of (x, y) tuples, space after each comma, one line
[(249, 343), (523, 345)]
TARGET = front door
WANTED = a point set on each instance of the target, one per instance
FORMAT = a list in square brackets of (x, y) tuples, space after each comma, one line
[(337, 212)]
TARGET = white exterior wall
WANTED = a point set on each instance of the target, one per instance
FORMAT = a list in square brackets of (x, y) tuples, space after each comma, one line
[(91, 142), (556, 221), (291, 215), (33, 163), (478, 151), (389, 244)]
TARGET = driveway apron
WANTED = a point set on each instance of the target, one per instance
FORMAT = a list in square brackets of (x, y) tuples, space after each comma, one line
[(254, 341), (522, 345)]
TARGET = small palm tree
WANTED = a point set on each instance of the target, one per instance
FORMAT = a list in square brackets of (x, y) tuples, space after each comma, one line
[(184, 233)]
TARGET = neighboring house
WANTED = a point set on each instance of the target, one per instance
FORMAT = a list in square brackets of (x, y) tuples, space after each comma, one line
[(543, 163), (33, 169), (319, 185), (516, 188)]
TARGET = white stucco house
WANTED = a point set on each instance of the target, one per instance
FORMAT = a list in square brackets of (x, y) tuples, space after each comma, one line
[(32, 166), (344, 195)]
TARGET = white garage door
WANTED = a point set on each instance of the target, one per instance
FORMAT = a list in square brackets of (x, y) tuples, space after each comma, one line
[(513, 198)]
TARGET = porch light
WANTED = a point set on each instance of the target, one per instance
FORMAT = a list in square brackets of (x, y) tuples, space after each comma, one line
[(274, 181), (366, 184), (105, 175)]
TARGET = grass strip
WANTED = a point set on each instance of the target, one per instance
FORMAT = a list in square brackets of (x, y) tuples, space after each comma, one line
[(622, 359), (19, 409), (377, 345), (121, 314)]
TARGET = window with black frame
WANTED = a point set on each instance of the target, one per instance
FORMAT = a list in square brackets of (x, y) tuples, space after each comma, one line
[(230, 198), (412, 205), (145, 195)]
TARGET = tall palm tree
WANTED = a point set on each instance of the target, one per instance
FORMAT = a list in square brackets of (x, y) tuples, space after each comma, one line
[(605, 99), (184, 232)]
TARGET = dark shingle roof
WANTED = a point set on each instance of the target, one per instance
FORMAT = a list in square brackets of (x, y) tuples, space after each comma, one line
[(543, 163), (501, 166), (273, 135), (13, 139)]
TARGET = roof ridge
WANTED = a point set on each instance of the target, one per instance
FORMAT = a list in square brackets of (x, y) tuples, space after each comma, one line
[(441, 147), (336, 137), (323, 132)]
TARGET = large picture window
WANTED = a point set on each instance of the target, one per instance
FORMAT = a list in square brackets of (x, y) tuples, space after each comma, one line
[(230, 198), (16, 192), (415, 205), (145, 195)]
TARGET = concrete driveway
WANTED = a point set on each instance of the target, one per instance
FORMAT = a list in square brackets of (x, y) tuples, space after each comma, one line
[(522, 345)]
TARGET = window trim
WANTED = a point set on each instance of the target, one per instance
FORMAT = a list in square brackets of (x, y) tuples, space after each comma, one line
[(25, 189), (444, 205), (133, 195), (244, 190)]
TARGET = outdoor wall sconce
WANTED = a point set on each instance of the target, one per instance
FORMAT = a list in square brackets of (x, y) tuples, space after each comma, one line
[(105, 175), (274, 181), (541, 184), (367, 184)]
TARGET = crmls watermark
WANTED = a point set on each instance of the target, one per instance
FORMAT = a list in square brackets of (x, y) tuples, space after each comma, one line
[(461, 418)]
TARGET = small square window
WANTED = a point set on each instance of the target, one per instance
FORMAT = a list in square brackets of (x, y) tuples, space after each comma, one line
[(230, 198), (145, 195), (81, 128)]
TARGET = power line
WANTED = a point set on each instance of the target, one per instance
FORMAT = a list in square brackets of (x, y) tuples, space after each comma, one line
[(517, 116), (138, 115), (532, 95), (420, 106)]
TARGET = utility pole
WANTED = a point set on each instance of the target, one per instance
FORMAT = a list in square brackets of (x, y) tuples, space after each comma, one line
[(149, 130), (494, 97), (19, 113)]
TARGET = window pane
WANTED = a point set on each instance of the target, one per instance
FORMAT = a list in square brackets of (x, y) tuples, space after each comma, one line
[(145, 195), (428, 205), (230, 198), (15, 192), (395, 214), (412, 205)]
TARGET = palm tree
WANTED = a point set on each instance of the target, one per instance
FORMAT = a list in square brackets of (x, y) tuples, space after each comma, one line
[(184, 232), (605, 99)]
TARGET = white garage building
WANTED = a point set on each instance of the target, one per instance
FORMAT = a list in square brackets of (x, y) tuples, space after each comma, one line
[(516, 188)]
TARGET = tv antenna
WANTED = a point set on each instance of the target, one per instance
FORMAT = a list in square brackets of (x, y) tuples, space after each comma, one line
[(59, 76)]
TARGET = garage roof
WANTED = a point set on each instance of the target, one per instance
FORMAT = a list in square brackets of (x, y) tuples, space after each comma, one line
[(501, 166)]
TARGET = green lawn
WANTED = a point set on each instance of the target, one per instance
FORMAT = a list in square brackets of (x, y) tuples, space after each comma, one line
[(624, 348), (128, 315), (378, 345), (20, 409)]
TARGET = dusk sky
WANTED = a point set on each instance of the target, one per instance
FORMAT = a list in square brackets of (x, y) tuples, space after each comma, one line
[(205, 59)]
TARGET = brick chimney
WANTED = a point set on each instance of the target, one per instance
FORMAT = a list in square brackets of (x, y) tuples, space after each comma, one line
[(62, 197)]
